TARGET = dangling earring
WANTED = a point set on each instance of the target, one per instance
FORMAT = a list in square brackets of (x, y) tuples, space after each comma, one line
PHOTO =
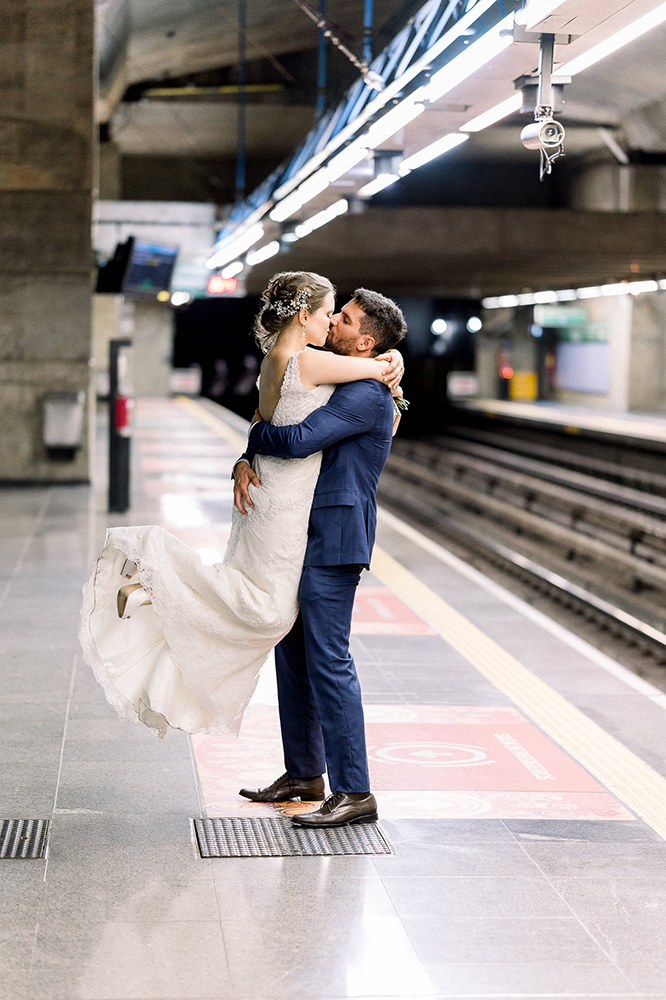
[(304, 327)]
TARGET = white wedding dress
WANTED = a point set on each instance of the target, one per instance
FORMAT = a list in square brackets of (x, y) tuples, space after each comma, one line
[(191, 659)]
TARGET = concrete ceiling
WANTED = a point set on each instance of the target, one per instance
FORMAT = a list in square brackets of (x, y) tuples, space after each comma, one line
[(170, 38), (187, 128), (174, 37)]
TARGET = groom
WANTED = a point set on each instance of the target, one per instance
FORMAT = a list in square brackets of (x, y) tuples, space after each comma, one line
[(321, 713)]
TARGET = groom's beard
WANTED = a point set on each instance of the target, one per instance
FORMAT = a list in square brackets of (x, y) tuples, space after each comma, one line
[(337, 345)]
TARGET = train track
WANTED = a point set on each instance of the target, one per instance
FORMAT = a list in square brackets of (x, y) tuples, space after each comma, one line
[(587, 532)]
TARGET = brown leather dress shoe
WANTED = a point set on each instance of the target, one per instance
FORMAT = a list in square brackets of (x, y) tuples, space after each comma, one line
[(285, 788), (341, 809)]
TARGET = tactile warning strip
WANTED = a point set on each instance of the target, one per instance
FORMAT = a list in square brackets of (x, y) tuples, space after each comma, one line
[(278, 838), (23, 838), (621, 771)]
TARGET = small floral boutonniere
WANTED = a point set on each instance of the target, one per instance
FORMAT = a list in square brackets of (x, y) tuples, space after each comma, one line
[(400, 405)]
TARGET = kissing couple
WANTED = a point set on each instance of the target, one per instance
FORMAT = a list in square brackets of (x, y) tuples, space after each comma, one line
[(176, 643)]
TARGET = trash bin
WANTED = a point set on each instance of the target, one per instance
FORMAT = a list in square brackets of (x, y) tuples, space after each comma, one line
[(64, 414)]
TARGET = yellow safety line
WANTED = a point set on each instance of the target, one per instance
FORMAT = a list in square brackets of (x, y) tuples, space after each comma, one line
[(621, 771), (616, 767), (227, 433)]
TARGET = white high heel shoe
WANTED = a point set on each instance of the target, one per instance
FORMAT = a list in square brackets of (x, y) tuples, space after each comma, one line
[(129, 569), (131, 597)]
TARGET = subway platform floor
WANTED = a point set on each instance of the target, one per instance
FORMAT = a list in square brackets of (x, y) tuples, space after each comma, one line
[(520, 773), (649, 428)]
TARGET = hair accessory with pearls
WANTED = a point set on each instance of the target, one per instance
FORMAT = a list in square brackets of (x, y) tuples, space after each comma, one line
[(301, 300)]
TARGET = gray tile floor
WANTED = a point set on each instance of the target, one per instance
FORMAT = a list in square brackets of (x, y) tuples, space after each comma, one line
[(124, 908)]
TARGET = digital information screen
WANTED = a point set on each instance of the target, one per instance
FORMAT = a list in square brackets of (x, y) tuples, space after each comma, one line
[(150, 268)]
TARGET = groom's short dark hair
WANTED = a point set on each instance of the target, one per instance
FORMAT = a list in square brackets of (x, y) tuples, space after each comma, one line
[(383, 319)]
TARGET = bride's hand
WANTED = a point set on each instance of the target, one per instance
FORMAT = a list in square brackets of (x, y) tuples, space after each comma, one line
[(244, 476), (395, 370)]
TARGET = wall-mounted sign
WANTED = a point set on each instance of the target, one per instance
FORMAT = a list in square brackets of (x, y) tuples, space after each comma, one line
[(560, 316), (461, 385)]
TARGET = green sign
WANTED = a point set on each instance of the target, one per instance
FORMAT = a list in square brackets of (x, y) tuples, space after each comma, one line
[(560, 316), (594, 331), (573, 323)]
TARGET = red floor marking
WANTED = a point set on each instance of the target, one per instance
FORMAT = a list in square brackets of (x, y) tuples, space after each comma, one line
[(483, 757), (425, 761), (377, 611)]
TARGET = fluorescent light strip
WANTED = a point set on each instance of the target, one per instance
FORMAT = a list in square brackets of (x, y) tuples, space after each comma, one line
[(378, 184), (393, 90), (236, 248), (430, 152), (263, 253), (571, 294), (395, 119), (474, 57), (354, 153), (536, 11), (615, 42), (308, 190), (321, 218), (231, 270), (465, 64), (387, 126), (508, 107)]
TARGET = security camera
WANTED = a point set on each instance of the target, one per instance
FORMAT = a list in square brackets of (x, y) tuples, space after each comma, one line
[(546, 134)]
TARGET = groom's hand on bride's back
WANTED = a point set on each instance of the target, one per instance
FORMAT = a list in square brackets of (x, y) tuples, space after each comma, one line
[(244, 477)]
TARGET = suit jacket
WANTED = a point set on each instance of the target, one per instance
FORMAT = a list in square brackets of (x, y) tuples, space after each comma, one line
[(354, 431)]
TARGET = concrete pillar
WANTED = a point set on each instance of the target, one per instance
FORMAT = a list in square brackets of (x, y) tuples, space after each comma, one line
[(647, 368), (152, 341), (110, 185), (46, 168)]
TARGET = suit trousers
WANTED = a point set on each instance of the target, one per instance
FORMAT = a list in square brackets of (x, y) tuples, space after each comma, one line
[(321, 713)]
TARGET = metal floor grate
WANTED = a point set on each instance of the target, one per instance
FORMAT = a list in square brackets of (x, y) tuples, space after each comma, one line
[(23, 838), (279, 838)]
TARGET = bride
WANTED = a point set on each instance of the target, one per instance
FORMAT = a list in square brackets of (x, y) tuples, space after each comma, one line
[(174, 642)]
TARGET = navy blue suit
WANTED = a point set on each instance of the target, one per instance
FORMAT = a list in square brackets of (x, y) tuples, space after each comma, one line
[(321, 713)]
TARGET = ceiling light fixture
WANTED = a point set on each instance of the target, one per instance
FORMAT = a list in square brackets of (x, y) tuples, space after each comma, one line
[(321, 218), (470, 60), (352, 155), (231, 270), (430, 152), (308, 190), (377, 184), (571, 294), (236, 248), (395, 119), (263, 253), (536, 11), (508, 107), (615, 42)]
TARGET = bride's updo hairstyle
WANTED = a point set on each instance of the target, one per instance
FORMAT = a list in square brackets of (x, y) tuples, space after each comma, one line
[(283, 297)]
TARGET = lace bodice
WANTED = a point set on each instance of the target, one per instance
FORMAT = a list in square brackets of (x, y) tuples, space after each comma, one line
[(296, 402)]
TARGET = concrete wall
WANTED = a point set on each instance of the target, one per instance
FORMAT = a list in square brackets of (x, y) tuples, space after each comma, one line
[(613, 187), (616, 313), (46, 166), (153, 348), (150, 327)]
